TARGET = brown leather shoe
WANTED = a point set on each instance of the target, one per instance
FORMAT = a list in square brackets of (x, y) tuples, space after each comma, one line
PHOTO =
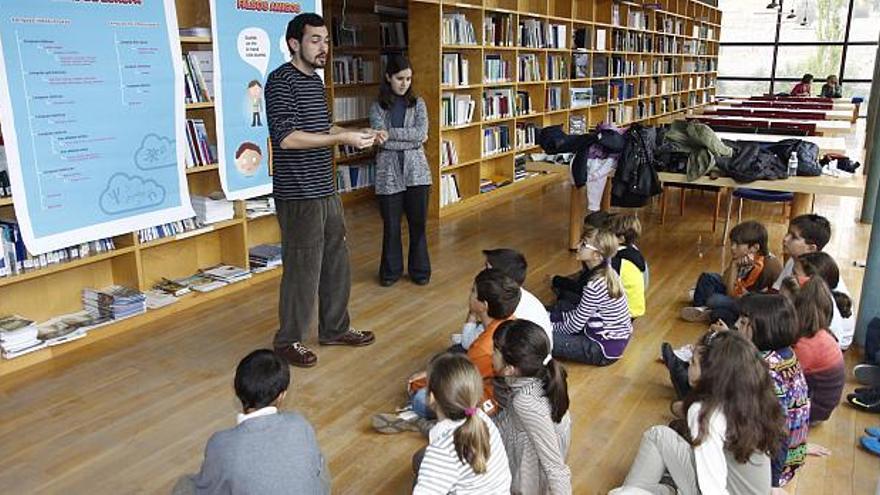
[(298, 355), (353, 338)]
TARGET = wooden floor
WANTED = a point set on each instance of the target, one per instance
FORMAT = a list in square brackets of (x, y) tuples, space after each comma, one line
[(131, 414)]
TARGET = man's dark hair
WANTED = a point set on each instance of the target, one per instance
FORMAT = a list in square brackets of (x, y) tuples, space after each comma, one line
[(510, 261), (815, 229), (254, 83), (260, 378), (498, 291), (751, 233), (296, 28)]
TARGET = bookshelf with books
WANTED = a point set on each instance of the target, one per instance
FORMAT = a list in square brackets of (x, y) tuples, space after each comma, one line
[(51, 285), (591, 60)]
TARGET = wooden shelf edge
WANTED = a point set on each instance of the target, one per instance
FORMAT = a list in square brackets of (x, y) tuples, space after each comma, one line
[(200, 105), (191, 233), (6, 201), (469, 204), (202, 168), (59, 267), (196, 39)]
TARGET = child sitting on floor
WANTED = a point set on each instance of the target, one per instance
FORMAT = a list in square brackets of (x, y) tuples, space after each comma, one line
[(268, 452), (599, 328), (808, 234), (733, 426), (629, 262), (751, 269), (513, 264), (494, 296), (465, 453), (535, 425), (568, 288)]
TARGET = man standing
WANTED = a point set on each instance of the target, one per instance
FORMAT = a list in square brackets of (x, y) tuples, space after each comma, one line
[(309, 210)]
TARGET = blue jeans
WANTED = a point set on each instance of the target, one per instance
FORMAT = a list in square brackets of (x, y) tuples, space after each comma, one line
[(580, 349), (712, 293), (419, 403)]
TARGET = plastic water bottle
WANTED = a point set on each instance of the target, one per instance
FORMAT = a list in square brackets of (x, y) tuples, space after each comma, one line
[(792, 164)]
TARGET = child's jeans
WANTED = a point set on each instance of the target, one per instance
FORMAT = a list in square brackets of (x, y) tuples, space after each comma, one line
[(712, 293), (419, 402), (580, 349)]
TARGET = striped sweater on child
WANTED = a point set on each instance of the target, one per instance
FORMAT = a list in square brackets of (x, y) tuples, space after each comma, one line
[(600, 317)]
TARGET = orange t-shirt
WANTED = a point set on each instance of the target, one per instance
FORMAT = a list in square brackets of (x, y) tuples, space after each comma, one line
[(480, 353)]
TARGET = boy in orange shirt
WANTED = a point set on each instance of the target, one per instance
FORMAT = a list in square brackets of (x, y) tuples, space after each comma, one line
[(493, 299)]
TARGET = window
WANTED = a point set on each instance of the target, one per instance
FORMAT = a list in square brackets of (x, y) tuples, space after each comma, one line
[(860, 62), (815, 20), (865, 20), (745, 61), (742, 88), (795, 61), (747, 20)]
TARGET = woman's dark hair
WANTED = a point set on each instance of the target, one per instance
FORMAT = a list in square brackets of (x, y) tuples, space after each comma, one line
[(395, 64), (296, 28), (751, 233), (822, 264), (457, 388), (260, 378), (736, 381), (500, 292), (807, 78), (525, 345), (773, 320)]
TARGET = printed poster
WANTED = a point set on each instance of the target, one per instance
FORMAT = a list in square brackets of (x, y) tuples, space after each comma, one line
[(249, 43), (93, 118)]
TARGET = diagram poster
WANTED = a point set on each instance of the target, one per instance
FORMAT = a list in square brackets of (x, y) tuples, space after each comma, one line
[(249, 42), (92, 118)]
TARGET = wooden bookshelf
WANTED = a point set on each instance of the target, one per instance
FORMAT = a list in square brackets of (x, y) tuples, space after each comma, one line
[(667, 54)]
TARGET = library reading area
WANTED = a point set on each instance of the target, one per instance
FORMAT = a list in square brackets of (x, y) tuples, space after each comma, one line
[(204, 206)]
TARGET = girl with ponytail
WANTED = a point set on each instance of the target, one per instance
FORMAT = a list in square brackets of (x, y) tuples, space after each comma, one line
[(465, 454), (599, 328), (535, 425), (822, 264), (816, 348)]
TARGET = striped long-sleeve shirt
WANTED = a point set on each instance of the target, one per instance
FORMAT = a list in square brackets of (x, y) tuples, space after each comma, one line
[(601, 318), (536, 446), (442, 472)]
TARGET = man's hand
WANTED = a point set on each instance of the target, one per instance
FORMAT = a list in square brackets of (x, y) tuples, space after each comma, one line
[(358, 139)]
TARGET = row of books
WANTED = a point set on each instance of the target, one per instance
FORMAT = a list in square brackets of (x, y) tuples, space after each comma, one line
[(635, 18), (458, 30), (449, 191), (355, 176), (353, 69), (524, 103), (519, 168), (554, 98), (536, 34), (496, 69), (448, 154), (496, 139), (456, 109), (498, 29), (526, 133), (497, 103), (557, 67), (620, 90), (347, 108), (393, 34), (529, 69), (199, 150), (629, 41), (15, 258), (167, 229), (198, 71), (454, 70)]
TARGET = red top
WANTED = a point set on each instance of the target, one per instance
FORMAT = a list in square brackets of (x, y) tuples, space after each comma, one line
[(820, 352), (801, 89)]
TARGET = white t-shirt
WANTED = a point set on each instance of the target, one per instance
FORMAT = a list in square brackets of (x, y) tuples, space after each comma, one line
[(842, 328)]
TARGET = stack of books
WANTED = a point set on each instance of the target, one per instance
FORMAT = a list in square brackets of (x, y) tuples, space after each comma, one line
[(18, 336), (115, 302), (171, 287), (449, 192), (228, 274), (264, 257), (198, 72), (212, 209), (158, 299), (200, 283), (259, 207), (69, 327)]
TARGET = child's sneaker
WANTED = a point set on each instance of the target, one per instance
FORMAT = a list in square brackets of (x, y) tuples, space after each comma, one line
[(871, 444), (397, 423), (700, 314)]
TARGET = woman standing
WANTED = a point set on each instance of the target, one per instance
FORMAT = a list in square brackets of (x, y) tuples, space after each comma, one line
[(403, 179)]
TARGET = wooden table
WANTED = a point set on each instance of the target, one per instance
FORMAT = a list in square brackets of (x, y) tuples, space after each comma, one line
[(736, 102), (823, 127), (829, 114), (803, 187)]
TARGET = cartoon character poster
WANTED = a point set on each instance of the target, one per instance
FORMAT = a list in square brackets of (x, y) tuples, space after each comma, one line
[(92, 109), (249, 42)]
